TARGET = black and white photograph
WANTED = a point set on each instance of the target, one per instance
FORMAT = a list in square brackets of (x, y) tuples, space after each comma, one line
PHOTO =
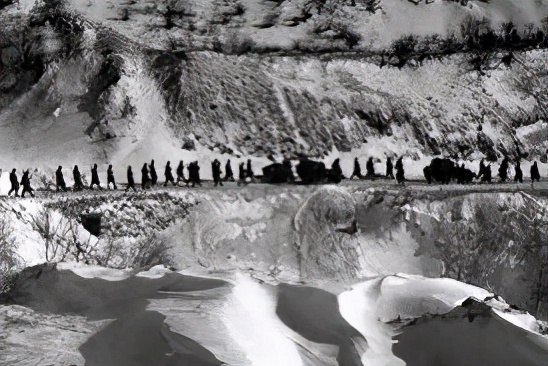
[(273, 182)]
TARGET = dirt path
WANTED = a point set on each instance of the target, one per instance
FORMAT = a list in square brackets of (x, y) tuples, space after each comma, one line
[(540, 188)]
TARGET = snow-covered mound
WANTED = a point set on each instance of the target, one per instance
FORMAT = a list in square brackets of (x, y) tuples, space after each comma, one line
[(448, 323), (164, 317)]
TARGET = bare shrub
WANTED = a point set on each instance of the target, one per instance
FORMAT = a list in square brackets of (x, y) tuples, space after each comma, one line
[(146, 252), (62, 239), (151, 251), (503, 234), (10, 261)]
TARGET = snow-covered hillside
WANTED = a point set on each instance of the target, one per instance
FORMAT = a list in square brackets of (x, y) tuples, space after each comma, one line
[(451, 79)]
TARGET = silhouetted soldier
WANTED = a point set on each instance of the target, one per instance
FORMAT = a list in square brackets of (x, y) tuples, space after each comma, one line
[(459, 172), (370, 167), (78, 184), (195, 174), (25, 182), (503, 170), (110, 178), (60, 180), (289, 166), (518, 177), (400, 172), (130, 180), (14, 183), (336, 169), (216, 171), (181, 172), (168, 175), (197, 178), (153, 175), (481, 168), (95, 178), (145, 178), (242, 174), (486, 174), (357, 172), (535, 174), (389, 168), (229, 175), (190, 169), (249, 171)]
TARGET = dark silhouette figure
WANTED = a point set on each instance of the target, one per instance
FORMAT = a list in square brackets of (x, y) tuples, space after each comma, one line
[(441, 170), (503, 170), (60, 180), (535, 174), (77, 176), (130, 180), (168, 174), (518, 177), (335, 175), (25, 182), (197, 178), (95, 178), (481, 168), (153, 175), (278, 173), (427, 171), (145, 178), (389, 169), (465, 175), (370, 168), (357, 171), (400, 172), (14, 183), (190, 169), (487, 174), (249, 171), (181, 172), (457, 172), (229, 175), (216, 171), (194, 174), (242, 174), (110, 178), (311, 172)]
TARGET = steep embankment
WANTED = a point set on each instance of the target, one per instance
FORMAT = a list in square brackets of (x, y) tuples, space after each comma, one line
[(330, 237), (316, 273), (137, 80)]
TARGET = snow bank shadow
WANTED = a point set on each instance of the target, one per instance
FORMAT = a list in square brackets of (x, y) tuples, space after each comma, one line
[(314, 314), (137, 336), (142, 338), (460, 340)]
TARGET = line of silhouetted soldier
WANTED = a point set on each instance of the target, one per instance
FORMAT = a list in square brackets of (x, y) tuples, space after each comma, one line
[(444, 171), (440, 170), (309, 171)]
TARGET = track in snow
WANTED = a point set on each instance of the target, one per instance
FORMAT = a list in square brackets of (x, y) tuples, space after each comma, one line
[(381, 184)]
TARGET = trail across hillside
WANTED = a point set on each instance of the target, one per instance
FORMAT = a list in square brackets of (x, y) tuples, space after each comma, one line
[(383, 184)]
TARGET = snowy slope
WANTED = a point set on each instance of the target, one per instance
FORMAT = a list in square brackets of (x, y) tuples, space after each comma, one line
[(166, 317), (116, 91)]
